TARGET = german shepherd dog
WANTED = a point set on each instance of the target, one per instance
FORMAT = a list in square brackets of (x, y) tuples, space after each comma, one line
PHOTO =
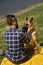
[(34, 40)]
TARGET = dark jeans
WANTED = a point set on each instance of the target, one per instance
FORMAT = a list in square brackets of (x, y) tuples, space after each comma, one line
[(29, 52)]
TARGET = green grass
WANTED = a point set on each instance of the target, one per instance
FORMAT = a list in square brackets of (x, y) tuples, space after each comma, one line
[(36, 13), (3, 24), (1, 57)]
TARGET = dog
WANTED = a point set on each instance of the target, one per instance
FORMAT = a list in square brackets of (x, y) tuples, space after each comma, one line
[(34, 39)]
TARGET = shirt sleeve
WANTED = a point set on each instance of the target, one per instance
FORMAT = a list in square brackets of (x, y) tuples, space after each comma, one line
[(28, 37), (25, 37)]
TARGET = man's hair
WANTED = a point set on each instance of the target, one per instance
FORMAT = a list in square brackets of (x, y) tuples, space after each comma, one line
[(11, 19)]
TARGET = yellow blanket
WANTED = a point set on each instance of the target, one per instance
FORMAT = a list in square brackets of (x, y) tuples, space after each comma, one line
[(35, 60)]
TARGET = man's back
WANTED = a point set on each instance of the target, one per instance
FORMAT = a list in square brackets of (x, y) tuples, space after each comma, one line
[(15, 50)]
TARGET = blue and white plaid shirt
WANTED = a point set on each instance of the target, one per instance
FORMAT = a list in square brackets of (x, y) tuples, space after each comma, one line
[(15, 51)]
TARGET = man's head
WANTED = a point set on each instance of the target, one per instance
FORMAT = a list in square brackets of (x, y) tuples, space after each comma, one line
[(12, 21)]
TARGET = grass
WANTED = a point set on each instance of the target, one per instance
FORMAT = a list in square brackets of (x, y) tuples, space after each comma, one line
[(1, 57), (3, 24), (36, 13)]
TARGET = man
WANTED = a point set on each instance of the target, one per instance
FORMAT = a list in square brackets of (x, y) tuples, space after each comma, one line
[(15, 50)]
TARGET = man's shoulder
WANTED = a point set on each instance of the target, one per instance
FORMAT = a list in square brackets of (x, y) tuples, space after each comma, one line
[(7, 31), (20, 31), (17, 31)]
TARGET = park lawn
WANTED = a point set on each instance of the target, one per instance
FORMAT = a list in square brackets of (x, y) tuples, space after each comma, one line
[(36, 13)]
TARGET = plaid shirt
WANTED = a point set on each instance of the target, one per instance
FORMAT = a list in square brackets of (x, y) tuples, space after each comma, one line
[(15, 51)]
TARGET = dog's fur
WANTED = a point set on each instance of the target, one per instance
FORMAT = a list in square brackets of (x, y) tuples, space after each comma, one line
[(34, 40)]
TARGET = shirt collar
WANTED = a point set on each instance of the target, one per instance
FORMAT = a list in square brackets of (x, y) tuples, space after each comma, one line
[(13, 29)]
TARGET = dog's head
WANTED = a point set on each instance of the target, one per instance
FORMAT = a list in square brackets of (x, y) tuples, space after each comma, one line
[(27, 23)]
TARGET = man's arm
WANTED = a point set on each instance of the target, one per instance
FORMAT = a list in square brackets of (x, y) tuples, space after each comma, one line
[(25, 37)]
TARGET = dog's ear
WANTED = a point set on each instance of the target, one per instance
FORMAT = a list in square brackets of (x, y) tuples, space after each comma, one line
[(31, 20), (26, 18)]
